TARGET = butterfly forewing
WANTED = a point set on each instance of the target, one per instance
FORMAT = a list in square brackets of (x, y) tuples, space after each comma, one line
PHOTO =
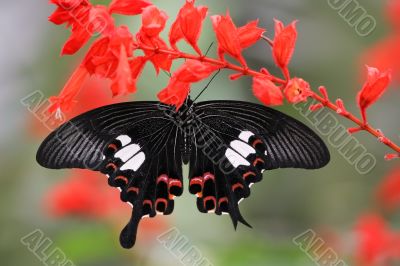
[(289, 143)]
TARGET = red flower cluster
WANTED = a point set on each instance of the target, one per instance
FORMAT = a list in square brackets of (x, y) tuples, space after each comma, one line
[(377, 244), (84, 193), (109, 57), (112, 55), (115, 56), (388, 192), (179, 86), (385, 54)]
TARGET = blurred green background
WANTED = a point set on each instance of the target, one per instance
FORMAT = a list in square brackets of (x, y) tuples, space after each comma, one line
[(287, 202)]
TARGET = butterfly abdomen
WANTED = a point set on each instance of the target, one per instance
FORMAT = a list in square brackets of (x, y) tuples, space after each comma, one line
[(186, 148)]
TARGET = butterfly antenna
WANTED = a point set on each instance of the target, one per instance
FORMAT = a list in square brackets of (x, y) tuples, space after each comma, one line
[(208, 84), (167, 73), (209, 48)]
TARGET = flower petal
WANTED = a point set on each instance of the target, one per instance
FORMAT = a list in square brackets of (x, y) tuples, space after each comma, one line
[(189, 21), (63, 102), (267, 92), (153, 21), (123, 81), (194, 71), (128, 7), (284, 43), (250, 34), (175, 93), (228, 37), (375, 86)]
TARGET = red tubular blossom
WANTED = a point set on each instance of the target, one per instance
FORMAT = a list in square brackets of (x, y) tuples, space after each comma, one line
[(284, 43), (63, 102), (188, 25), (84, 20), (297, 90), (175, 93), (153, 22), (128, 7), (377, 244), (194, 71), (388, 192), (232, 40), (393, 11), (249, 34), (375, 86), (123, 81), (267, 92), (179, 86), (78, 195), (105, 55)]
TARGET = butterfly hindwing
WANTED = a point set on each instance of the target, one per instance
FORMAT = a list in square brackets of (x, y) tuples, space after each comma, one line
[(223, 165), (156, 184), (235, 142)]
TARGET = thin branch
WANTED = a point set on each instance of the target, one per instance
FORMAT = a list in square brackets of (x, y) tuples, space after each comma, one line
[(254, 73)]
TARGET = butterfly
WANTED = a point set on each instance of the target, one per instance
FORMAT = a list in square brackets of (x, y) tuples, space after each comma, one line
[(141, 147)]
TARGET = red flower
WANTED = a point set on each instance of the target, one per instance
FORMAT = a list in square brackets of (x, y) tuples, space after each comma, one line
[(175, 93), (179, 86), (232, 40), (393, 11), (128, 7), (388, 192), (194, 71), (284, 44), (376, 84), (267, 92), (83, 18), (377, 245), (188, 25), (109, 58), (385, 54), (63, 102), (297, 90), (153, 22), (84, 193)]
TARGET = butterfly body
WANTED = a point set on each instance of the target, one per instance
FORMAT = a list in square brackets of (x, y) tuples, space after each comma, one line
[(141, 147)]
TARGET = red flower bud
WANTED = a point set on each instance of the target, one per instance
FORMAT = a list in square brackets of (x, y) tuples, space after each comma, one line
[(375, 86), (284, 43)]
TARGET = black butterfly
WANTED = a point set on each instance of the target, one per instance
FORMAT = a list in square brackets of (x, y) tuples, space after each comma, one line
[(140, 146)]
